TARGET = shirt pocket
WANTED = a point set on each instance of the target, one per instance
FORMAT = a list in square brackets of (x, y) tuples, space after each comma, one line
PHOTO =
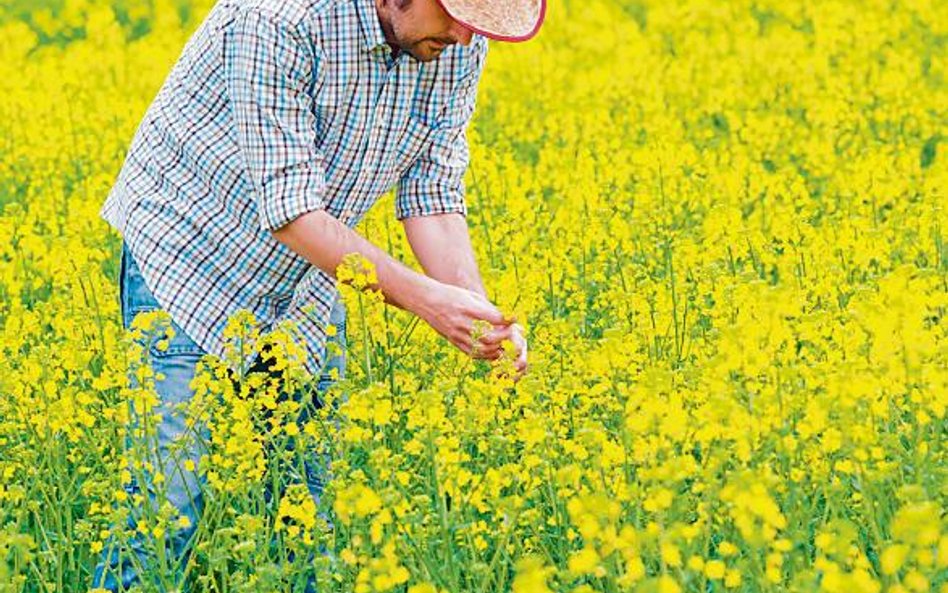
[(412, 143)]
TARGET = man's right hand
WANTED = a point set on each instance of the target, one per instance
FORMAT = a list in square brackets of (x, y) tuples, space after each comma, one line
[(452, 311)]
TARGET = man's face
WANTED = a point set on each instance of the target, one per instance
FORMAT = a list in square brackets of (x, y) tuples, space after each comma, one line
[(420, 27)]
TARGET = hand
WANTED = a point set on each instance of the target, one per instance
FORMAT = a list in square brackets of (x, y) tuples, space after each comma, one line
[(515, 334), (452, 311)]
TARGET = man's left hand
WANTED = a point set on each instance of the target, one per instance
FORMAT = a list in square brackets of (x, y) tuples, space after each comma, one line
[(489, 346)]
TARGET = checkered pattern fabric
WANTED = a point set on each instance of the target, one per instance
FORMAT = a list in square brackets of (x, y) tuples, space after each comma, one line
[(274, 109)]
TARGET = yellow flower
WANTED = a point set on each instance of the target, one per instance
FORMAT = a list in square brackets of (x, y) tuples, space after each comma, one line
[(667, 584), (892, 558), (714, 569), (726, 548), (348, 556), (732, 578), (357, 270), (670, 554), (531, 576), (585, 561)]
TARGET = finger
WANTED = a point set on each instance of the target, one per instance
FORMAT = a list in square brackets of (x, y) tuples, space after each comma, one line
[(492, 338), (465, 328), (512, 332), (521, 362), (491, 356), (486, 352), (497, 336), (476, 349), (462, 341), (489, 312), (496, 317)]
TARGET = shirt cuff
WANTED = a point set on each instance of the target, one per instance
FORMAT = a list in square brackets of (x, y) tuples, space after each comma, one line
[(420, 197), (290, 195)]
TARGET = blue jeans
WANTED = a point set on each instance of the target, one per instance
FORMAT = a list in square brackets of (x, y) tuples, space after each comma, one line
[(178, 364)]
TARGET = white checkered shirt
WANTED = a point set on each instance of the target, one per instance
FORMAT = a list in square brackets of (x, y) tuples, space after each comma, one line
[(274, 109)]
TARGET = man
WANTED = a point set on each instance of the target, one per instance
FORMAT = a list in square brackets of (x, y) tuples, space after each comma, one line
[(282, 122)]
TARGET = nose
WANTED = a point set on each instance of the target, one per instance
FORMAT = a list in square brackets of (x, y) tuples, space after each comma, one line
[(462, 34)]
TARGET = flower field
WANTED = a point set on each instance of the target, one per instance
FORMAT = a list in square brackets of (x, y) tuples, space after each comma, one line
[(724, 227)]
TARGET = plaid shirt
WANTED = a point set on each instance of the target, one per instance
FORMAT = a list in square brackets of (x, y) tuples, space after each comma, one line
[(274, 109)]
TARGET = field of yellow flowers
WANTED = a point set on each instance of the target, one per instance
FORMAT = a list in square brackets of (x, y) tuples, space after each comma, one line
[(723, 225)]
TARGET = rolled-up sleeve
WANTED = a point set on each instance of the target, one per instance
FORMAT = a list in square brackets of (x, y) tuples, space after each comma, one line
[(268, 67), (434, 184)]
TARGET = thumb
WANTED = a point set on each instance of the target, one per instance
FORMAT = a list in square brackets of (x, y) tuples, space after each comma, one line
[(508, 320), (491, 313), (494, 315)]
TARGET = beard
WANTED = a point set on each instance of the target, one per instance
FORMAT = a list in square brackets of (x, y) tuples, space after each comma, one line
[(424, 49)]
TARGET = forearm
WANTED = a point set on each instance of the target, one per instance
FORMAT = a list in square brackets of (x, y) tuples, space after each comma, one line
[(442, 245), (323, 241)]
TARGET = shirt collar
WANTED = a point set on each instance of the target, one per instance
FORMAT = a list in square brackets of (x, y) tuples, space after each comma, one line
[(373, 38)]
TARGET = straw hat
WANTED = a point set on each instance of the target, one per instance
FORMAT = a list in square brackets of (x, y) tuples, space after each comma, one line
[(504, 20)]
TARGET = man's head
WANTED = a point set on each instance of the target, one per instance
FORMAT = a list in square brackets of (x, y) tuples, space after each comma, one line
[(423, 28), (420, 27)]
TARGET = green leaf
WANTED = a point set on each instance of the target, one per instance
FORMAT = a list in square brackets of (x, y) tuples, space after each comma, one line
[(927, 156)]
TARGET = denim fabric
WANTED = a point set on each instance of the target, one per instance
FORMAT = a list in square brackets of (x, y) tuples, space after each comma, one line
[(178, 364)]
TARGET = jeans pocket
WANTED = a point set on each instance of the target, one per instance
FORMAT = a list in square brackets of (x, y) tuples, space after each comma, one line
[(137, 298), (180, 343)]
